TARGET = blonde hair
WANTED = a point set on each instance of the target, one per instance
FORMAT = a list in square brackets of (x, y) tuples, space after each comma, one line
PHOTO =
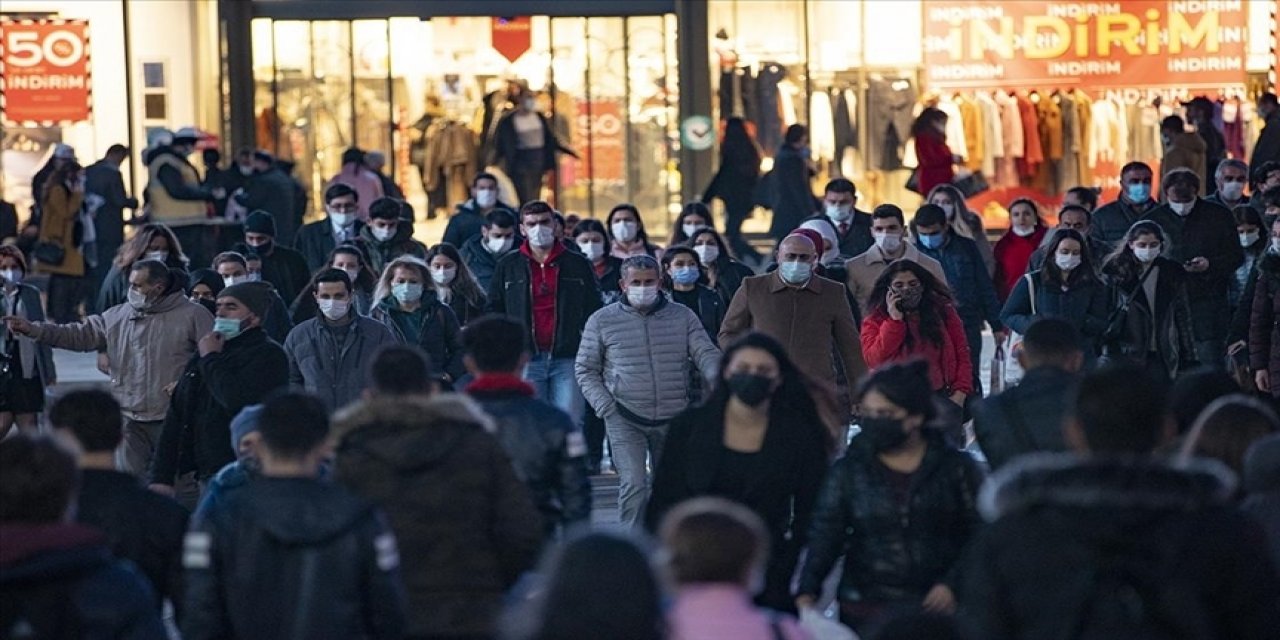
[(383, 290)]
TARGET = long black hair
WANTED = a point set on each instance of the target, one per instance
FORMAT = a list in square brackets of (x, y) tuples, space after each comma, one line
[(923, 124), (1122, 265), (464, 282), (671, 254), (726, 257), (642, 236), (1051, 274), (797, 395), (936, 297), (591, 224), (690, 209), (905, 384)]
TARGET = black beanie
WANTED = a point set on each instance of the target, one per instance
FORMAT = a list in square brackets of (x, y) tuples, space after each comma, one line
[(260, 222), (254, 295)]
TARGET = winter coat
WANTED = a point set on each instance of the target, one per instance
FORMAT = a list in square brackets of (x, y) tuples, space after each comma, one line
[(1084, 303), (885, 340), (862, 271), (935, 159), (729, 276), (972, 289), (1209, 231), (791, 191), (366, 183), (734, 184), (892, 552), (508, 144), (142, 526), (58, 580), (857, 238), (1111, 221), (1067, 534), (814, 323), (272, 191), (103, 179), (1185, 151), (401, 244), (287, 270), (292, 559), (315, 242), (637, 362), (466, 526), (174, 194), (212, 390), (782, 489), (707, 305), (147, 350), (545, 446), (480, 260), (438, 334), (1264, 321), (610, 280), (467, 221), (1267, 148), (31, 308), (334, 372), (577, 297), (1012, 253), (1171, 320), (1098, 250), (1026, 418), (60, 215)]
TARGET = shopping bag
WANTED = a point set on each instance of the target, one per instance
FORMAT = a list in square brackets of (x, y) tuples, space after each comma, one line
[(1012, 367), (995, 384), (820, 627), (971, 185)]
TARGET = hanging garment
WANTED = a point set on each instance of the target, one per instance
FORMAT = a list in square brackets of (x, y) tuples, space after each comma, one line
[(1233, 128), (1014, 144), (450, 159), (769, 122), (889, 118), (1068, 168), (971, 121), (1033, 152), (1084, 127), (955, 128), (1049, 117), (1105, 133), (822, 133), (992, 133), (844, 122)]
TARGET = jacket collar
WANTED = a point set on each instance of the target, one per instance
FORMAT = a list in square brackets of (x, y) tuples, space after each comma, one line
[(875, 256), (557, 250), (657, 306), (1122, 483), (776, 284), (500, 384)]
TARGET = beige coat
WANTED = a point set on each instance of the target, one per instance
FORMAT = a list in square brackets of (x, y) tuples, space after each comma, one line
[(814, 323), (147, 350), (863, 271)]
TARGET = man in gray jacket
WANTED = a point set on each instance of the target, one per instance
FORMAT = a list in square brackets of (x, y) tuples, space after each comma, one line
[(148, 340), (329, 354), (633, 367)]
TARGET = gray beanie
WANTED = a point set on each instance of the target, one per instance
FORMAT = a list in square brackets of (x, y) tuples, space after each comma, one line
[(245, 423)]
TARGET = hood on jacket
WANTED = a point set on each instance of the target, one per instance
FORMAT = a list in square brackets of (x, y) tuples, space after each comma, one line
[(169, 302), (21, 543), (409, 432), (303, 511), (1269, 263), (1127, 488)]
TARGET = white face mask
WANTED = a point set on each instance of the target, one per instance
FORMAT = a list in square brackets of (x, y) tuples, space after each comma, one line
[(444, 275), (498, 245), (1067, 261), (642, 296), (334, 309), (255, 276), (949, 209), (1248, 238), (486, 197), (707, 253), (1182, 208), (888, 242), (11, 275), (157, 255), (1146, 254), (690, 229), (624, 231), (382, 234), (354, 274), (592, 250), (137, 299), (230, 280), (839, 212), (245, 171), (541, 236), (1023, 232), (343, 220), (1232, 191)]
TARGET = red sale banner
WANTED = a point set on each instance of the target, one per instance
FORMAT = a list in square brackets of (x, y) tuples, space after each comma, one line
[(512, 37), (44, 71)]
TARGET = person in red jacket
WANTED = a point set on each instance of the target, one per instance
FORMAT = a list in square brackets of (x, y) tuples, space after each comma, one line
[(911, 316), (933, 156), (1013, 250)]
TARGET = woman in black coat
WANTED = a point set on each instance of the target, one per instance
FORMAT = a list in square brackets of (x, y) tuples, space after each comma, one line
[(758, 440), (684, 280), (723, 273), (735, 181), (900, 506)]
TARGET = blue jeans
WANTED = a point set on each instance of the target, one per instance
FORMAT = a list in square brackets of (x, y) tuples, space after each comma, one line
[(632, 446), (554, 382)]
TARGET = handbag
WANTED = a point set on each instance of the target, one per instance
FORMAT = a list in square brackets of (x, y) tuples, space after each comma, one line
[(49, 253), (1116, 321), (913, 181), (971, 185), (1012, 368)]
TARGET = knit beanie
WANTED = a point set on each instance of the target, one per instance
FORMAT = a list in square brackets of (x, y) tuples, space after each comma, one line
[(260, 222), (254, 295), (245, 423), (208, 278)]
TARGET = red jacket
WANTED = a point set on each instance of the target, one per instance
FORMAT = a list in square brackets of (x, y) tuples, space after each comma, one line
[(1012, 253), (884, 340), (934, 158)]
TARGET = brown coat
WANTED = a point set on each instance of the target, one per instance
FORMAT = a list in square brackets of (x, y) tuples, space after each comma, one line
[(61, 210), (1186, 151), (813, 322)]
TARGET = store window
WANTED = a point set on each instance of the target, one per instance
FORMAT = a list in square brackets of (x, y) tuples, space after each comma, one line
[(430, 94)]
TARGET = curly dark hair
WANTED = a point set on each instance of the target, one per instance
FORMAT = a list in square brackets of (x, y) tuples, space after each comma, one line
[(933, 302)]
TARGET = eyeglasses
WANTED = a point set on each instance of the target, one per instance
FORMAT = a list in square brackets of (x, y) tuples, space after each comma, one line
[(344, 207)]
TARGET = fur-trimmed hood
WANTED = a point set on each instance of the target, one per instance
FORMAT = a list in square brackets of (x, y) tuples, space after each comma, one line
[(409, 432), (1120, 484)]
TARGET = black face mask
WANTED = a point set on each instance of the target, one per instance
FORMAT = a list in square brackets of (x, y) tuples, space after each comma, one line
[(265, 248), (883, 434), (750, 388), (208, 304)]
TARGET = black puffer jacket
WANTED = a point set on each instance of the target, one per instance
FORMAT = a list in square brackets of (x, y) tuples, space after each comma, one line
[(1170, 319), (292, 559), (466, 525), (892, 553), (1069, 533), (548, 451), (212, 390)]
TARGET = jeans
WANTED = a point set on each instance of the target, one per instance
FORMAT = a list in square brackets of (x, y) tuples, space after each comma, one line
[(553, 380), (631, 445), (526, 174), (133, 456)]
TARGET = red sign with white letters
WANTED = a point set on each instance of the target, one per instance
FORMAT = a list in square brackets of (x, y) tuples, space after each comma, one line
[(44, 71)]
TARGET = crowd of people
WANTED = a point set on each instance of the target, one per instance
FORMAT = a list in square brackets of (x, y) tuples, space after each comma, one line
[(332, 430)]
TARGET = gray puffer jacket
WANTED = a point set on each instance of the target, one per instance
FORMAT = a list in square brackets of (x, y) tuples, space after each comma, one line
[(334, 371), (642, 360)]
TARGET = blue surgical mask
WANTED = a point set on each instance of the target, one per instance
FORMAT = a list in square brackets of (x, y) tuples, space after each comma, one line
[(685, 275), (1138, 193), (228, 327), (795, 272), (407, 292), (930, 240)]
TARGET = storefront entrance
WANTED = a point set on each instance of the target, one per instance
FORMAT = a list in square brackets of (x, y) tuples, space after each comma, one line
[(405, 85)]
